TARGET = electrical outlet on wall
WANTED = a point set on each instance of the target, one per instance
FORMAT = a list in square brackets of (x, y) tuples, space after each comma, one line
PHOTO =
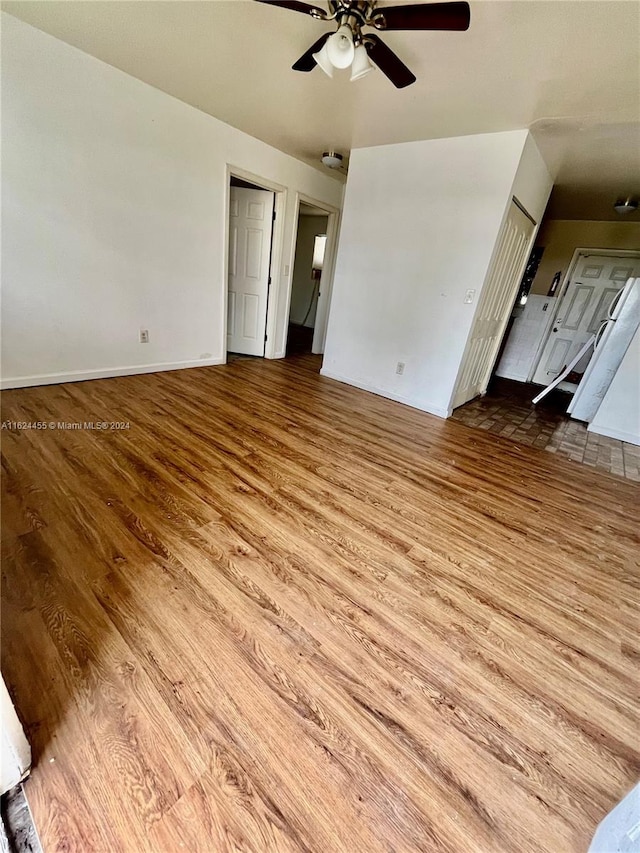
[(144, 336), (468, 297), (400, 368)]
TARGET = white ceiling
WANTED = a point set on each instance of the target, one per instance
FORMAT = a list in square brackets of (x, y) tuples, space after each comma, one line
[(569, 70)]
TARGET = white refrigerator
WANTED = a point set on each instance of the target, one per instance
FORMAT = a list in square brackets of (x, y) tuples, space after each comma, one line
[(612, 341)]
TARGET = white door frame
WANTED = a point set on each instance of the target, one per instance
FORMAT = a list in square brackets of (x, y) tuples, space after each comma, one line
[(328, 268), (566, 281), (277, 241)]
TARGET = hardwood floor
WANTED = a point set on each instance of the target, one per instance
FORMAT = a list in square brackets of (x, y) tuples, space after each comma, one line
[(281, 614)]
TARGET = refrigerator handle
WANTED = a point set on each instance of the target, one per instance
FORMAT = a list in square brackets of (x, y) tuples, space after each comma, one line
[(616, 299), (600, 333)]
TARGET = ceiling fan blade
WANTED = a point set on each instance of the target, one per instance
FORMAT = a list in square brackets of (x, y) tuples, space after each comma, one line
[(388, 62), (423, 16), (296, 6), (306, 61)]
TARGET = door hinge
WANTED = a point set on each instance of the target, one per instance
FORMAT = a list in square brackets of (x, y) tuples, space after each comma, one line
[(274, 216), (265, 337)]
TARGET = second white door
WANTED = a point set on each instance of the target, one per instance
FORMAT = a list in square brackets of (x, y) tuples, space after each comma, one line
[(594, 284), (250, 230)]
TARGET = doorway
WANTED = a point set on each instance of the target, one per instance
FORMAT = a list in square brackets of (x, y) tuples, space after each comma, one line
[(595, 278), (251, 220), (308, 266)]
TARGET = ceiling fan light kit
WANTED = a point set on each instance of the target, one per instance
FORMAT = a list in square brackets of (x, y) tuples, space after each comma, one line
[(361, 64), (348, 46), (322, 61), (340, 48)]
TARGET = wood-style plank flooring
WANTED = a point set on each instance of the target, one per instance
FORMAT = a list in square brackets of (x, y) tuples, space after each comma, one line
[(281, 614)]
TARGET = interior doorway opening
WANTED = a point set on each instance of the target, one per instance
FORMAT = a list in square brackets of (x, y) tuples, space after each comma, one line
[(308, 267)]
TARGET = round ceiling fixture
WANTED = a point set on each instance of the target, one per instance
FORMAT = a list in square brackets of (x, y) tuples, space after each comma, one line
[(625, 205), (332, 160)]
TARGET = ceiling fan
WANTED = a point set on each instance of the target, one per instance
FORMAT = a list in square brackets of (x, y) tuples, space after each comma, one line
[(349, 46)]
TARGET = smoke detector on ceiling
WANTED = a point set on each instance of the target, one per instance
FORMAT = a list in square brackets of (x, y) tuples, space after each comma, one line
[(625, 205), (332, 160)]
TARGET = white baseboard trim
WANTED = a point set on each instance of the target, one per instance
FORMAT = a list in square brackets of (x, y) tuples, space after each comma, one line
[(105, 373), (398, 398), (621, 435)]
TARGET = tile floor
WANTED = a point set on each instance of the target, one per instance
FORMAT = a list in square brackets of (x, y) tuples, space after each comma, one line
[(506, 409)]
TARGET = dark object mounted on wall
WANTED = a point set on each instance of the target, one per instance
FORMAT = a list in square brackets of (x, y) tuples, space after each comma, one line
[(554, 284), (528, 276)]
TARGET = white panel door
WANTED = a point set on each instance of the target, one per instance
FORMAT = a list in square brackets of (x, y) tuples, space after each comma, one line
[(585, 305), (496, 301), (250, 229)]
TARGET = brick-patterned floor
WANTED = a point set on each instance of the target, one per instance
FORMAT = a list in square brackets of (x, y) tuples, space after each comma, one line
[(507, 410)]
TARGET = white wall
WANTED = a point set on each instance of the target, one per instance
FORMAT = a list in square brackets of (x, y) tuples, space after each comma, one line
[(619, 413), (114, 215), (420, 221), (532, 184)]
